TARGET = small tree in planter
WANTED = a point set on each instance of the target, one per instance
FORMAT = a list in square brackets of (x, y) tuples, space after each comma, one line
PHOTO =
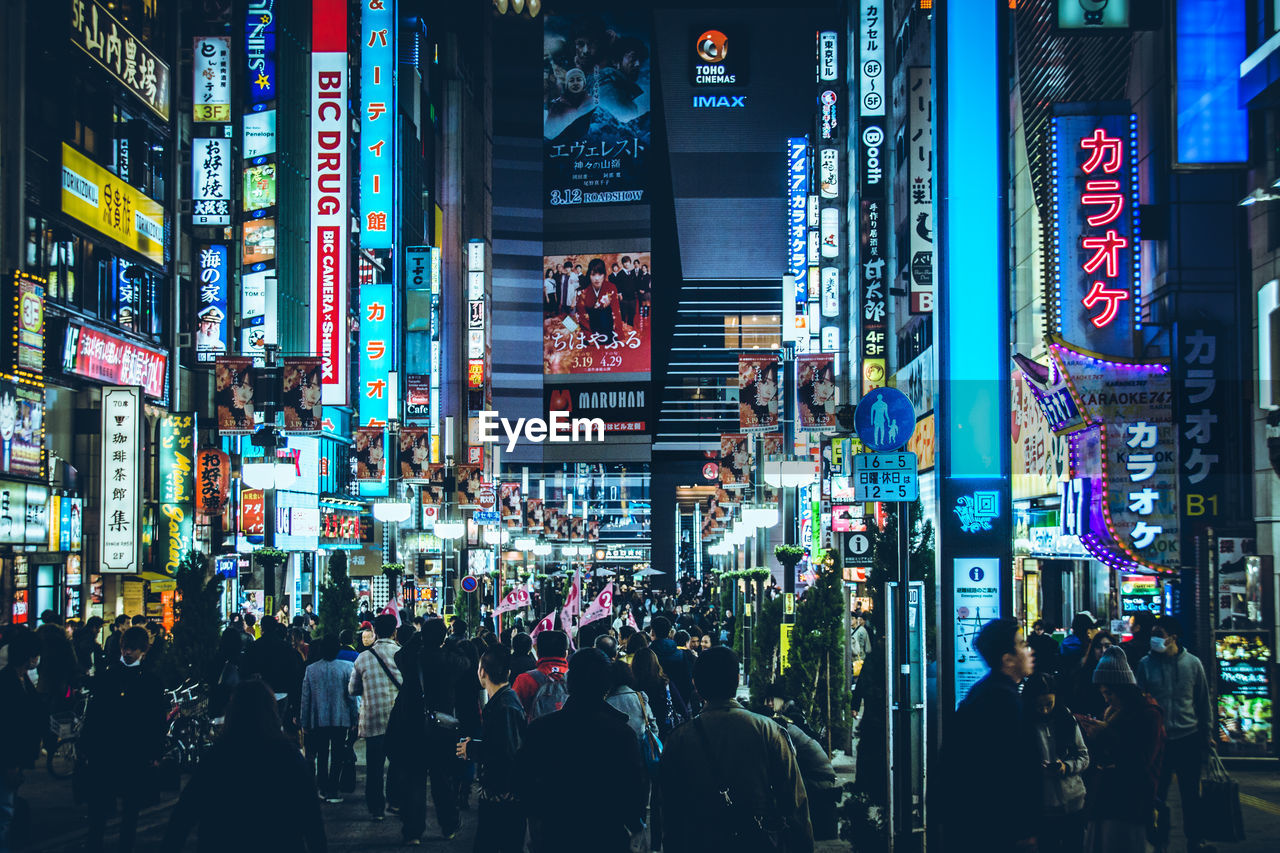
[(273, 559), (338, 609), (393, 573), (815, 673), (192, 649)]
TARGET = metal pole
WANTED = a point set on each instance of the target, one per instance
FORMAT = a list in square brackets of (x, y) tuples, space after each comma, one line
[(900, 766)]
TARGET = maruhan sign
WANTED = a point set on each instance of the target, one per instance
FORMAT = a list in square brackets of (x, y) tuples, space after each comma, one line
[(559, 429)]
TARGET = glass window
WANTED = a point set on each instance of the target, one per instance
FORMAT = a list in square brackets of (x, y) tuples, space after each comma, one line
[(732, 332)]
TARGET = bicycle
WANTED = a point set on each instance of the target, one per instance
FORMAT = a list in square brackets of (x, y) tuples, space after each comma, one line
[(65, 727)]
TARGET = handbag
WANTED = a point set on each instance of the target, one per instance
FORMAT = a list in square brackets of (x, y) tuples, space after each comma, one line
[(650, 743), (347, 771), (746, 832), (1220, 816)]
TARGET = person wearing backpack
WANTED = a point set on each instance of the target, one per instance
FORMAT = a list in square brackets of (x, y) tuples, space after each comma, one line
[(542, 690), (376, 680), (748, 794), (603, 813)]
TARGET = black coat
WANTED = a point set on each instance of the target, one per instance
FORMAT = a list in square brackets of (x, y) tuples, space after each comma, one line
[(600, 814), (677, 665), (22, 720), (277, 664), (124, 725), (276, 786), (504, 729), (992, 769), (522, 663)]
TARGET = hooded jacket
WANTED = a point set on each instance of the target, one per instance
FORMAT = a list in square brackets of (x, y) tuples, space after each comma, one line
[(1178, 684)]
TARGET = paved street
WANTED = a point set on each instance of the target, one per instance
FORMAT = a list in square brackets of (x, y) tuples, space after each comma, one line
[(60, 825)]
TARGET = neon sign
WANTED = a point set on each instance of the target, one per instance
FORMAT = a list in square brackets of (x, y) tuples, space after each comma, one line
[(1097, 279), (377, 122)]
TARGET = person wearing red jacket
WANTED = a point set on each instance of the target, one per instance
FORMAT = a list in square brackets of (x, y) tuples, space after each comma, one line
[(553, 648)]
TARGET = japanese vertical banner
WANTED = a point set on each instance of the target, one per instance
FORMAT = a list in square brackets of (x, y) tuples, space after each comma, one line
[(377, 352), (920, 189), (177, 488), (233, 395), (213, 478), (1096, 277), (121, 477), (735, 461), (815, 391), (758, 392), (300, 395), (328, 173)]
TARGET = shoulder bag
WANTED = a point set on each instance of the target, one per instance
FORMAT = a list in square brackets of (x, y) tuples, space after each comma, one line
[(650, 743), (745, 831)]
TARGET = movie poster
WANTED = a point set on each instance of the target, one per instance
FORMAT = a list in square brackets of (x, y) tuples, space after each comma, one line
[(554, 531), (595, 119), (431, 491), (593, 529), (300, 386), (535, 515), (370, 451), (757, 393), (415, 455), (509, 505), (470, 479), (816, 391), (770, 445), (233, 395), (713, 512), (735, 461), (595, 313)]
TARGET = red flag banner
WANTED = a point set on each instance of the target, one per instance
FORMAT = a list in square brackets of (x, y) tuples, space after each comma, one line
[(601, 607)]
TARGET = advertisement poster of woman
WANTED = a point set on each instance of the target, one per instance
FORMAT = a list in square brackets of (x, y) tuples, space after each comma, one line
[(735, 461), (233, 395), (370, 454), (301, 387), (596, 313), (509, 504), (415, 454), (470, 478), (816, 391), (535, 515), (757, 393)]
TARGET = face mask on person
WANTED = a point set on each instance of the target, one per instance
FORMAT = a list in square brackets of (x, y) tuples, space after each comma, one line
[(1157, 645)]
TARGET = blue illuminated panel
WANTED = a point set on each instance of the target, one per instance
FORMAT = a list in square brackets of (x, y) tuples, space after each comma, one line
[(973, 259), (377, 122), (1212, 125)]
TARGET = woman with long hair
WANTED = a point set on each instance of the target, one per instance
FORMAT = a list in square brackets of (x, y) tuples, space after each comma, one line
[(282, 791), (664, 699), (1084, 697)]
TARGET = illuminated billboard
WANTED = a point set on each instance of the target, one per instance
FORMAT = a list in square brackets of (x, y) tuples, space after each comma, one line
[(595, 124), (96, 197), (596, 313), (378, 120)]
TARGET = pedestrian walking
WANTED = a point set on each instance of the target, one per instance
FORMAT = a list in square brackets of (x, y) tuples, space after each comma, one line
[(1083, 697), (121, 740), (729, 778), (500, 824), (1063, 757), (22, 723), (1127, 751), (376, 680), (816, 770), (522, 659), (604, 816), (329, 712), (675, 662), (1044, 647), (542, 689), (278, 787), (991, 770), (1175, 679)]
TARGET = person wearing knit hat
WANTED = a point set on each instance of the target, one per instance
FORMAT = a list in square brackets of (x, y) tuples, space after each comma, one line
[(1127, 750), (1113, 668)]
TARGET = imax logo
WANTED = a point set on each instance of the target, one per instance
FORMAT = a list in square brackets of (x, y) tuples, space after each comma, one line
[(700, 101)]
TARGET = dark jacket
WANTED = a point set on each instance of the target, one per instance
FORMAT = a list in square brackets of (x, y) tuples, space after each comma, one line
[(991, 768), (22, 720), (677, 665), (504, 729), (58, 667), (602, 814), (815, 765), (124, 725), (1046, 651), (279, 666), (522, 663), (1127, 757), (279, 788), (754, 756), (1071, 653)]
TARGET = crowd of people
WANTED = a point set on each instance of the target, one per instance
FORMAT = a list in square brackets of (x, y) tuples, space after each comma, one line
[(1074, 746), (448, 717)]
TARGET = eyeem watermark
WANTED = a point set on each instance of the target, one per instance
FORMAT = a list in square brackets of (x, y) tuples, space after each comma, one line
[(560, 429)]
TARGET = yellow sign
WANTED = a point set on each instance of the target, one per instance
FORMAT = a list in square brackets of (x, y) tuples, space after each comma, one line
[(784, 646), (111, 206), (789, 603)]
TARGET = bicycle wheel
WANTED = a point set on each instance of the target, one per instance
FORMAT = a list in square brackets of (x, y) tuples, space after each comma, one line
[(61, 762)]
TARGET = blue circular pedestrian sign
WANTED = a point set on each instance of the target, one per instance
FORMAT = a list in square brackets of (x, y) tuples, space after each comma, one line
[(885, 419), (470, 584)]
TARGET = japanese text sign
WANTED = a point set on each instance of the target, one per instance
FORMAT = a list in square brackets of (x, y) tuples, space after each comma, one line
[(125, 57), (177, 489), (377, 352), (1096, 277), (211, 302), (121, 470), (211, 181), (211, 79), (110, 206), (378, 120)]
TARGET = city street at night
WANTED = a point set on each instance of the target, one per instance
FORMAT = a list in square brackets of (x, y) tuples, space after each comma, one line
[(674, 426)]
